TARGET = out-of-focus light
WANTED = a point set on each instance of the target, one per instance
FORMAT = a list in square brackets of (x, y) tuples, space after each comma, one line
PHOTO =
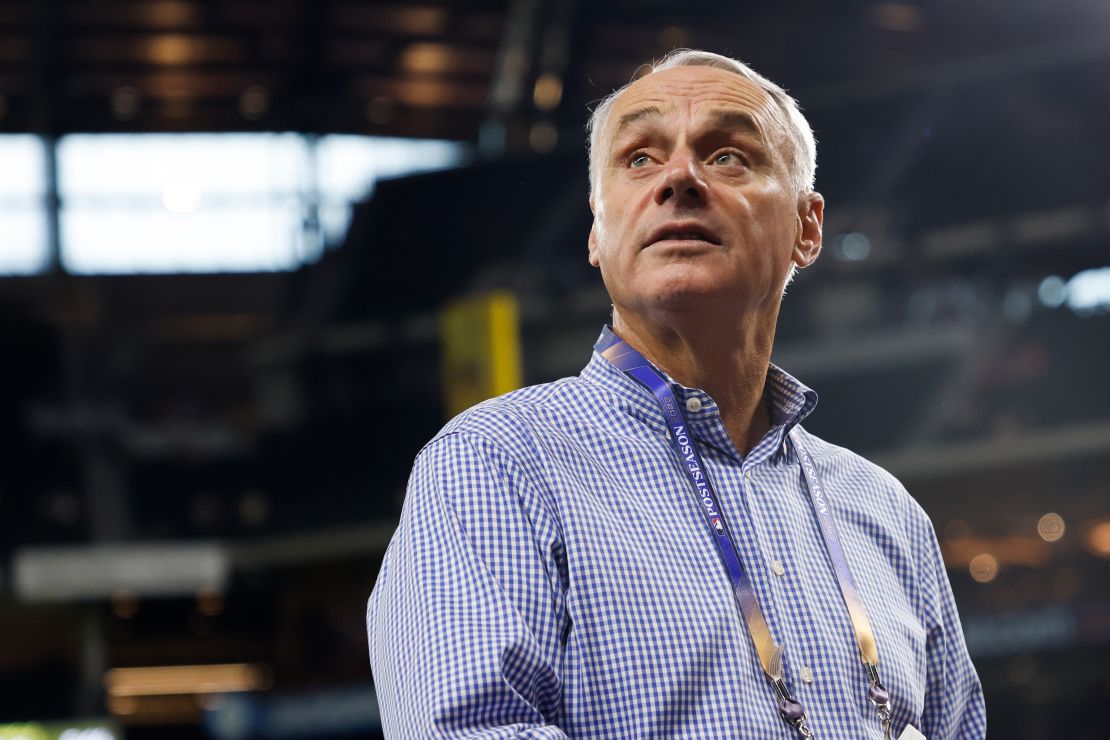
[(186, 679), (181, 197), (548, 92), (125, 103), (22, 212), (1025, 551), (122, 706), (1052, 291), (51, 730), (425, 92), (1050, 227), (1098, 539), (210, 603), (1017, 304), (1051, 527), (543, 136), (898, 16), (983, 567), (125, 605), (1088, 292), (209, 202), (86, 733), (171, 49), (417, 21), (348, 166), (852, 247), (426, 57), (254, 102)]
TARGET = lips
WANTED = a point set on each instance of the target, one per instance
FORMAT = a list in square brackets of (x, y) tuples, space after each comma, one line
[(683, 231)]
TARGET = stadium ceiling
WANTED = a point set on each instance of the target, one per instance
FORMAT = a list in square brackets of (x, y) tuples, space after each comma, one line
[(474, 69)]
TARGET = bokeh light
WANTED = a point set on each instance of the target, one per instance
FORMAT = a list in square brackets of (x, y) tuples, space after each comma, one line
[(1051, 527), (1098, 540), (983, 567)]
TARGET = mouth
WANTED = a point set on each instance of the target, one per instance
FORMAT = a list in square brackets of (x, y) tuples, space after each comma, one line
[(684, 232)]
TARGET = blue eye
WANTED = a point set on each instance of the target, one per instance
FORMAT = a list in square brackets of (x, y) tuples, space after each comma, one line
[(728, 158), (639, 160)]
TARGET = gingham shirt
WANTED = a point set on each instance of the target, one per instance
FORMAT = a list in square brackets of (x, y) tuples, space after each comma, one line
[(552, 576)]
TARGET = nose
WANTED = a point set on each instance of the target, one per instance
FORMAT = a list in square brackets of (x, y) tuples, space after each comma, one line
[(681, 179)]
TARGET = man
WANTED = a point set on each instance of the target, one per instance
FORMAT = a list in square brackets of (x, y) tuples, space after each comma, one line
[(655, 548)]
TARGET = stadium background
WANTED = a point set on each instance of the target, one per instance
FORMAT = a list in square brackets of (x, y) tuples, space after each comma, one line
[(233, 233)]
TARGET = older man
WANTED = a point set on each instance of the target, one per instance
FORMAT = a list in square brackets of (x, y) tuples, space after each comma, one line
[(656, 548)]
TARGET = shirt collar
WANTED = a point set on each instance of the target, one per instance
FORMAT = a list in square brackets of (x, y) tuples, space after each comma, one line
[(789, 402)]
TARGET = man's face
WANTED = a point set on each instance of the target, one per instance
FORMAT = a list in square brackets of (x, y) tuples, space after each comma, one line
[(694, 199)]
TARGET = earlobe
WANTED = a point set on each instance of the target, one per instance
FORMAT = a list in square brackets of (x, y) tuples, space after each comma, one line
[(591, 243), (811, 217)]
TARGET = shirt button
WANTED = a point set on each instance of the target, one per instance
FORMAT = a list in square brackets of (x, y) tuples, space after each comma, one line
[(776, 566), (807, 674), (693, 404)]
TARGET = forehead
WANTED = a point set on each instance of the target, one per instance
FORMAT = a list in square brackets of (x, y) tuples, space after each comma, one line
[(692, 90)]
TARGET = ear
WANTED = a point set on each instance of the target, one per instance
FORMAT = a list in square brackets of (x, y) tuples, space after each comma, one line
[(811, 217), (591, 241)]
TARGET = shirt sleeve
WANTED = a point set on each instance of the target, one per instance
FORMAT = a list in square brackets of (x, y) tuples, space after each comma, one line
[(954, 706), (465, 623)]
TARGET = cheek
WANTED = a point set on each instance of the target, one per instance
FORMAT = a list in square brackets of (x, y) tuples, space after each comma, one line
[(610, 227), (774, 216)]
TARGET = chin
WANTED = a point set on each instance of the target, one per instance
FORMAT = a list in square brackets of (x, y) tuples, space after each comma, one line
[(686, 295)]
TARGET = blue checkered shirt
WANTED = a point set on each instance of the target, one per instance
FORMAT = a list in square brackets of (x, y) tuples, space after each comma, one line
[(552, 576)]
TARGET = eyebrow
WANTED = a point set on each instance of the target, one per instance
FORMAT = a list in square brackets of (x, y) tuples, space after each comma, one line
[(738, 121), (634, 116)]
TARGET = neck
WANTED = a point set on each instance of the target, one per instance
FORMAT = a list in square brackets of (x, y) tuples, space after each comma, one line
[(729, 362)]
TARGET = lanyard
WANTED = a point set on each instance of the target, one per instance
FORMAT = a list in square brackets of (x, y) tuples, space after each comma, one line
[(632, 363), (865, 637)]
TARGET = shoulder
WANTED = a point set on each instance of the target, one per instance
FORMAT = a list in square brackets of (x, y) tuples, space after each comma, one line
[(508, 437), (869, 485), (519, 421), (507, 413), (842, 461), (489, 465)]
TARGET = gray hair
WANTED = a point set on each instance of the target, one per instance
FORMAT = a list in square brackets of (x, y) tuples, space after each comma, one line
[(802, 159)]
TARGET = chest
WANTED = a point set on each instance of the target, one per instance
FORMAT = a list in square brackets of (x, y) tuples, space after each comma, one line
[(651, 610)]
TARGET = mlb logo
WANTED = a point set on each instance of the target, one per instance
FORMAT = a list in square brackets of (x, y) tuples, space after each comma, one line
[(717, 524)]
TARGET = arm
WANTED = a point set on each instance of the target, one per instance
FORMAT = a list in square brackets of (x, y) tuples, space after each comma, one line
[(954, 705), (465, 624)]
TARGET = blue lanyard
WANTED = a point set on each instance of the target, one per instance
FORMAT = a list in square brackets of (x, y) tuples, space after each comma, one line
[(633, 364)]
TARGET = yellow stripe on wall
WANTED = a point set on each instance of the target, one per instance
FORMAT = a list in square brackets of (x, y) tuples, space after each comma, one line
[(480, 338)]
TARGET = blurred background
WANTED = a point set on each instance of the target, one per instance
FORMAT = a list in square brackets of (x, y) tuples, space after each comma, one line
[(255, 253)]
